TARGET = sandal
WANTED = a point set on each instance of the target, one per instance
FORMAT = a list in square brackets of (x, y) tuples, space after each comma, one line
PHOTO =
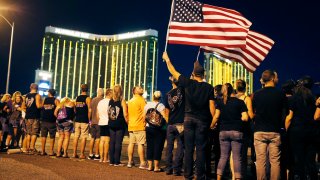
[(43, 154), (53, 154), (58, 155), (65, 156), (75, 156), (158, 170)]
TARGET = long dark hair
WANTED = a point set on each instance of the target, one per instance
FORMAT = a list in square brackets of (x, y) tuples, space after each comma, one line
[(227, 93), (305, 95)]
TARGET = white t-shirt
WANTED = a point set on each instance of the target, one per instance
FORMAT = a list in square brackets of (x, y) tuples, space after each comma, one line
[(149, 105), (102, 108)]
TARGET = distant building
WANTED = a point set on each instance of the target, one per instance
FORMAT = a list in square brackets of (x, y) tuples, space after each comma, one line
[(221, 71), (102, 61)]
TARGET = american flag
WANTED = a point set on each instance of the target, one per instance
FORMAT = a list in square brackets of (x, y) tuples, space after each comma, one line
[(258, 46), (194, 23)]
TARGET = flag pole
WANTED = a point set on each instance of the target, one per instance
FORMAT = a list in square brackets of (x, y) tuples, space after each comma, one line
[(198, 54), (165, 48)]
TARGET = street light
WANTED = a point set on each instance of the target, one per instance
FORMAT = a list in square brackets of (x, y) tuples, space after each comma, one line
[(10, 52)]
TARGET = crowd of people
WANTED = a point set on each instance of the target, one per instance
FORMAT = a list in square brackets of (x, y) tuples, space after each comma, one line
[(281, 127)]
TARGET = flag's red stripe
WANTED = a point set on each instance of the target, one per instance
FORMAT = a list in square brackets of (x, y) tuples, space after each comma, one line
[(207, 37), (204, 44), (222, 14), (197, 28)]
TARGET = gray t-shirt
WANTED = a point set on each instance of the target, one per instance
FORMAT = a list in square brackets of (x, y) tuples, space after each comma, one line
[(94, 105)]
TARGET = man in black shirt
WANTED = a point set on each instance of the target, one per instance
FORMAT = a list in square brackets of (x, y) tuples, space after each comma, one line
[(174, 103), (48, 121), (270, 108), (33, 103), (199, 113)]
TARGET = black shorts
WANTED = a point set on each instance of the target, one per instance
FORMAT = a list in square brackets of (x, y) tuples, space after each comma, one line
[(48, 127), (104, 131), (95, 131)]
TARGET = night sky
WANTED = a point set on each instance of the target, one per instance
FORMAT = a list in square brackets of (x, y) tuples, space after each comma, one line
[(294, 25)]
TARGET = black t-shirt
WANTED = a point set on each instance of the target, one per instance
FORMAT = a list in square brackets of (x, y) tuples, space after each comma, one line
[(197, 97), (47, 112), (175, 102), (116, 116), (230, 114), (82, 109), (270, 106), (302, 114), (32, 111)]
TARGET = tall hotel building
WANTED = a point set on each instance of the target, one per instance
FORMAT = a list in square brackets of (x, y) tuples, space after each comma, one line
[(221, 71), (101, 61)]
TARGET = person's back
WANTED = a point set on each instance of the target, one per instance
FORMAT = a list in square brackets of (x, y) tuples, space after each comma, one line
[(269, 104), (197, 96), (230, 117), (270, 107), (136, 113), (82, 109)]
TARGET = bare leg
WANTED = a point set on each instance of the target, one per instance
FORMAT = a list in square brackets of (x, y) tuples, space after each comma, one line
[(8, 140), (28, 142), (43, 144), (66, 143), (150, 165), (83, 146), (52, 140), (101, 146), (156, 164), (33, 141), (106, 148), (61, 137), (75, 146), (130, 152), (96, 144), (141, 153), (91, 144), (15, 133)]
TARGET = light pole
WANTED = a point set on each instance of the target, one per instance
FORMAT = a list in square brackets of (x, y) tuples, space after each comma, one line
[(10, 52)]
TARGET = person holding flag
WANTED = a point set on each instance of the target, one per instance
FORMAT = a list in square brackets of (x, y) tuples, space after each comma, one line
[(199, 113)]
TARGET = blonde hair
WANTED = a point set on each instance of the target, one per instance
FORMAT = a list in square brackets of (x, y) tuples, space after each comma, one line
[(17, 93), (5, 97), (157, 95), (117, 93), (64, 101)]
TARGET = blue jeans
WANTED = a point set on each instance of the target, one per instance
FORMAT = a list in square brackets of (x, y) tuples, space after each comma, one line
[(172, 134), (195, 135), (230, 141), (267, 144), (115, 145)]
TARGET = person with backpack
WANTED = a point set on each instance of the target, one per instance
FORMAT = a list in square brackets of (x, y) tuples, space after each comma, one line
[(65, 113), (118, 116), (48, 121), (155, 131)]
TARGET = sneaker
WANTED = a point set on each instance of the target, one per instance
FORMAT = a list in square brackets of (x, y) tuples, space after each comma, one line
[(111, 164), (91, 157), (119, 165), (143, 166), (96, 157), (130, 164)]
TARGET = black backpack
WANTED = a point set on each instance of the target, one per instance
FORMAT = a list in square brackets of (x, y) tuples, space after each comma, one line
[(154, 117)]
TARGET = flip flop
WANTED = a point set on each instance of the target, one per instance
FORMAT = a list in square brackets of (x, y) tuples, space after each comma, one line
[(158, 170)]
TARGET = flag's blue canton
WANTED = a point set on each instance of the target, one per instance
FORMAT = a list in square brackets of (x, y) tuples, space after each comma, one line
[(187, 11)]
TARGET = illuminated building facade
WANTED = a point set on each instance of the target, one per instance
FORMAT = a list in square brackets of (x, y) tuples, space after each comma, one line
[(221, 71), (101, 61)]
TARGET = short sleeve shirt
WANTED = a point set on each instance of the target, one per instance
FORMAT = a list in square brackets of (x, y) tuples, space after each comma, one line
[(197, 97)]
